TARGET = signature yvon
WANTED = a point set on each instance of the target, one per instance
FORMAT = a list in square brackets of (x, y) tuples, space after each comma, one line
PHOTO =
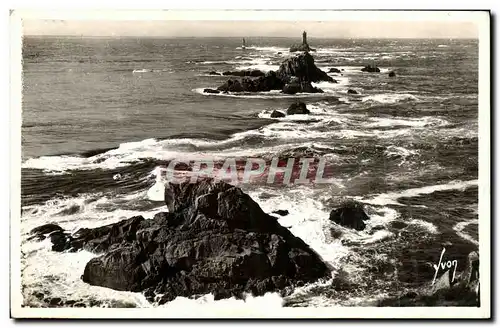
[(444, 265)]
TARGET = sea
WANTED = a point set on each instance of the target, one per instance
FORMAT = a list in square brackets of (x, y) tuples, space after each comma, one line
[(101, 115)]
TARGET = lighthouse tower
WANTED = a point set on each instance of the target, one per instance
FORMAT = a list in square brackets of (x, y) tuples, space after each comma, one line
[(304, 37)]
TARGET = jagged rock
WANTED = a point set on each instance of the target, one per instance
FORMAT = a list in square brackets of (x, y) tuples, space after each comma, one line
[(46, 229), (334, 70), (297, 108), (214, 239), (277, 114), (350, 214), (252, 73), (352, 92), (370, 69), (302, 66), (302, 87), (210, 91), (392, 74)]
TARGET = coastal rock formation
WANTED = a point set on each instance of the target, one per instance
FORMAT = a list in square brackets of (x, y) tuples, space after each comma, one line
[(334, 70), (294, 75), (296, 87), (297, 108), (214, 239), (350, 214), (277, 114), (252, 73), (303, 68), (352, 92), (392, 74), (213, 73), (210, 91), (370, 69)]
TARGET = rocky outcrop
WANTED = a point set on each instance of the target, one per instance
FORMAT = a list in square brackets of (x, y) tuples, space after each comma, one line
[(252, 73), (214, 239), (350, 214), (293, 76), (210, 91), (301, 47), (370, 69), (300, 87), (281, 212), (334, 70), (297, 108), (213, 73), (277, 114), (352, 92), (392, 74), (303, 68)]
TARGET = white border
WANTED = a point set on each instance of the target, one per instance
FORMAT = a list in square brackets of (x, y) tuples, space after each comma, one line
[(480, 18)]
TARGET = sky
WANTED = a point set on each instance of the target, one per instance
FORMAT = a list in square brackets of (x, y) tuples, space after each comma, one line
[(248, 28)]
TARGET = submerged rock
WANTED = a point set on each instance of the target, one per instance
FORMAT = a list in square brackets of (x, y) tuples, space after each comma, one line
[(352, 92), (392, 74), (351, 215), (334, 70), (210, 91), (213, 73), (277, 114), (297, 108), (214, 239), (370, 69)]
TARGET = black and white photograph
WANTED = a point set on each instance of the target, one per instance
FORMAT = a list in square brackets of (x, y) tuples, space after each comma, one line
[(256, 164)]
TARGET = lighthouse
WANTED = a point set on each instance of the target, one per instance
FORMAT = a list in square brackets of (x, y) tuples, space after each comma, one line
[(304, 37)]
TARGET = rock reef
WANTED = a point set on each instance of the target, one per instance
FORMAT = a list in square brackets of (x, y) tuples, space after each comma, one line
[(214, 239)]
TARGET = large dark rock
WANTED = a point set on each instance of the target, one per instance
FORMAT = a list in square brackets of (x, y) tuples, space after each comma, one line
[(334, 70), (277, 114), (351, 215), (300, 87), (392, 74), (294, 75), (302, 66), (252, 73), (301, 47), (214, 239), (213, 73), (352, 92), (370, 69), (297, 108), (211, 91)]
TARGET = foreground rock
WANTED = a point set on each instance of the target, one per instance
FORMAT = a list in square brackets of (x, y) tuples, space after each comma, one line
[(370, 69), (297, 108), (294, 75), (351, 215), (214, 239)]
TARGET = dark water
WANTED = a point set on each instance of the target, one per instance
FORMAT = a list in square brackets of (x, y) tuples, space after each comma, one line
[(406, 146)]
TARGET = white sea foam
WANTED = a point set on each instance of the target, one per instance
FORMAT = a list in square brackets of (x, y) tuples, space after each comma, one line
[(431, 228), (392, 197), (460, 226), (390, 98)]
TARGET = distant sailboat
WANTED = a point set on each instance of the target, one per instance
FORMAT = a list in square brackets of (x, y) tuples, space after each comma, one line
[(244, 45)]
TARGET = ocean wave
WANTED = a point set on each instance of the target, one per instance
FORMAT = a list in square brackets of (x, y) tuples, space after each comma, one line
[(390, 98), (428, 226), (460, 226), (392, 197)]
